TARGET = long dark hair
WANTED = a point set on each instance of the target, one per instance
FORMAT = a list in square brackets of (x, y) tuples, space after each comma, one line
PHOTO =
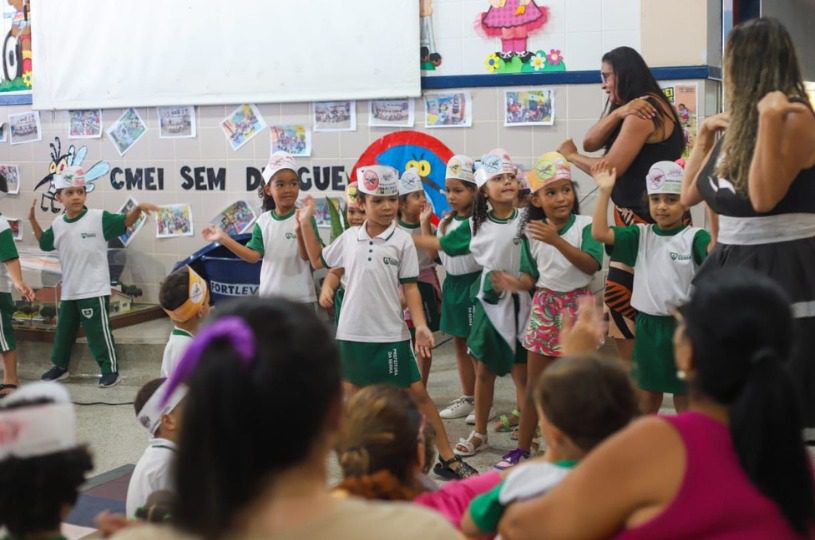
[(230, 444), (633, 80), (741, 328), (480, 208), (268, 201)]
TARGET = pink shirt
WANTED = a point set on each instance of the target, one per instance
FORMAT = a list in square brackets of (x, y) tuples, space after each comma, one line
[(453, 498), (716, 499)]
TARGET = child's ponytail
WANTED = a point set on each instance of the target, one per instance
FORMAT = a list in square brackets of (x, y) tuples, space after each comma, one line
[(479, 210)]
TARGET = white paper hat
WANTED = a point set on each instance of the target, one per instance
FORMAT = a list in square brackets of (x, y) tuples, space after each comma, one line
[(277, 162), (480, 177), (150, 414), (497, 162), (460, 167), (380, 180), (71, 176), (410, 182), (664, 177), (37, 430)]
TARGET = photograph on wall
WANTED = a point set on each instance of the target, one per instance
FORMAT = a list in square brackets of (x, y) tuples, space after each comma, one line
[(173, 220), (3, 131), (529, 107), (85, 124), (242, 125), (683, 96), (15, 29), (16, 227), (448, 110), (236, 218), (293, 138), (134, 229), (126, 131), (176, 122), (334, 115), (11, 178), (25, 127), (391, 112)]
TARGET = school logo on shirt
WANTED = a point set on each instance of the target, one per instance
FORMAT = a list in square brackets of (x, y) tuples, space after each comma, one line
[(390, 261), (87, 313), (88, 235), (290, 236), (679, 256)]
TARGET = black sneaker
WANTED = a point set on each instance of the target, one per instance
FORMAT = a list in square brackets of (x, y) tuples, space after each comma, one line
[(56, 373), (108, 379), (443, 469)]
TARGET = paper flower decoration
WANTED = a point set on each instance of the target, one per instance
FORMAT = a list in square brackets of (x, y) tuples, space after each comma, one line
[(27, 78), (554, 57), (538, 62), (493, 63)]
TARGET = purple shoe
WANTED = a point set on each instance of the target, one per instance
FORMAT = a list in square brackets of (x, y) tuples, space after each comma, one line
[(512, 458)]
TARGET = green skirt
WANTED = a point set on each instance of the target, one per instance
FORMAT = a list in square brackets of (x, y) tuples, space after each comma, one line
[(486, 344), (653, 365), (364, 364), (458, 304)]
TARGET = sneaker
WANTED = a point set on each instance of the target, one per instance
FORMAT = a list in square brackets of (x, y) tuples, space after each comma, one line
[(512, 458), (464, 470), (458, 408), (56, 373), (108, 379), (471, 417)]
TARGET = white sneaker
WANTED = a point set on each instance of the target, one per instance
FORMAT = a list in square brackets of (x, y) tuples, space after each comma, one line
[(458, 408), (471, 417)]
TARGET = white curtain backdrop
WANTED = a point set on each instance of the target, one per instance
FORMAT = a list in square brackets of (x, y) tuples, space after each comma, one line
[(123, 53)]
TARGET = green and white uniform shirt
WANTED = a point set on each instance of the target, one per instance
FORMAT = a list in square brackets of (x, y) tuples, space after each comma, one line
[(555, 271), (8, 252), (664, 261), (375, 267), (153, 473), (179, 341), (462, 264), (82, 246), (283, 271)]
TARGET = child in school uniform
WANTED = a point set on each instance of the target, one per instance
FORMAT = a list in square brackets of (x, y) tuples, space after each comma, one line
[(185, 298), (565, 257), (414, 218), (80, 237), (493, 238), (11, 276), (582, 400), (666, 256), (457, 298), (153, 471), (372, 336), (333, 288), (284, 268)]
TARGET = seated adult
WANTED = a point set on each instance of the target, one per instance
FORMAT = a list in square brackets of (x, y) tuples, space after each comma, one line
[(261, 415), (733, 466)]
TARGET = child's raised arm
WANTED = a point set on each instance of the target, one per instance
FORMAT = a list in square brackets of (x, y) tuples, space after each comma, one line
[(134, 214), (313, 247), (605, 178), (213, 233), (32, 218), (427, 228)]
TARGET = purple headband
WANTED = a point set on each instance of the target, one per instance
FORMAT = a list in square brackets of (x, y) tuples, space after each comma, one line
[(231, 328)]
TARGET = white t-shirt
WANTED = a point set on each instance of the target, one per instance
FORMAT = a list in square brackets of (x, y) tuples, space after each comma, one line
[(531, 480), (555, 272), (82, 246), (8, 252), (462, 264), (283, 272), (375, 267), (152, 473), (176, 345), (496, 245)]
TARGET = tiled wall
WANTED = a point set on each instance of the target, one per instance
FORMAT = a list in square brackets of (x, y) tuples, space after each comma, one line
[(150, 259)]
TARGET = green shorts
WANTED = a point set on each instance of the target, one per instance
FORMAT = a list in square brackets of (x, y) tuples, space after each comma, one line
[(486, 345), (653, 365), (364, 364), (7, 341), (457, 304)]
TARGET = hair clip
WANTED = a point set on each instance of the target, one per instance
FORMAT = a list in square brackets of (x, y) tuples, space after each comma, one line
[(232, 329)]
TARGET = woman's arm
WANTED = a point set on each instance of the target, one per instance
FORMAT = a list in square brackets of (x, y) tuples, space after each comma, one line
[(785, 144), (633, 134), (699, 156), (598, 134)]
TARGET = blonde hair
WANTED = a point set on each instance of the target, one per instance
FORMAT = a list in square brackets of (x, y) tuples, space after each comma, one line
[(759, 58)]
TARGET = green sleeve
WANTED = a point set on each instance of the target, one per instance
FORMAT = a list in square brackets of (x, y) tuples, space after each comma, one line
[(490, 296), (47, 240), (113, 225), (486, 510), (256, 242), (626, 242), (528, 263), (8, 250), (700, 242), (591, 246), (457, 241)]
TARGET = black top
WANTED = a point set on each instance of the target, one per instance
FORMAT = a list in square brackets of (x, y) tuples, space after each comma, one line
[(723, 198), (629, 191)]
